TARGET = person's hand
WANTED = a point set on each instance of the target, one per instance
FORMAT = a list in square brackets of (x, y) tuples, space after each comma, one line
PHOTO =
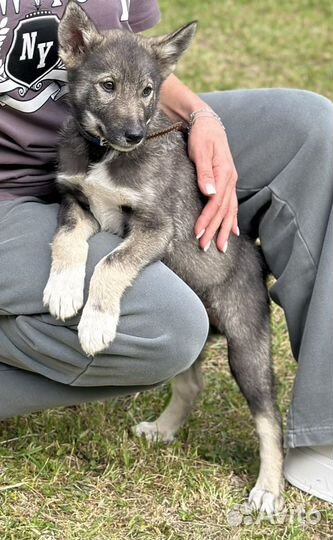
[(217, 176)]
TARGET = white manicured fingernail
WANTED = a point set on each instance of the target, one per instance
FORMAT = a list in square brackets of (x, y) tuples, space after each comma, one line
[(210, 188), (237, 231), (225, 247), (207, 246), (201, 233)]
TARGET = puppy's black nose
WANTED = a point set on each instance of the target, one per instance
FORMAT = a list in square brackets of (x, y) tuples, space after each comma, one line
[(134, 137)]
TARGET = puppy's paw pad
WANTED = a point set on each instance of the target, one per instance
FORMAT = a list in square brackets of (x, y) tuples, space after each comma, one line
[(96, 330), (265, 501), (63, 293), (151, 432)]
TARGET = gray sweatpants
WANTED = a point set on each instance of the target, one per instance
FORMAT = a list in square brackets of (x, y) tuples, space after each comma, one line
[(281, 141)]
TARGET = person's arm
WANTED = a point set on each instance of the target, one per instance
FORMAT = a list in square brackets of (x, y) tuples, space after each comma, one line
[(143, 14), (209, 150)]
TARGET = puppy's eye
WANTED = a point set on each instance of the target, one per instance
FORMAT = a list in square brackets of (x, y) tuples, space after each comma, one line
[(147, 91), (108, 86)]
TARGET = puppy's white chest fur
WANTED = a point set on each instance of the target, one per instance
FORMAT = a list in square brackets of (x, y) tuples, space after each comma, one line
[(106, 199)]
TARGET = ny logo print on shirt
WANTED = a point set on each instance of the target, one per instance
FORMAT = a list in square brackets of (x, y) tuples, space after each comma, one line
[(33, 52), (32, 68)]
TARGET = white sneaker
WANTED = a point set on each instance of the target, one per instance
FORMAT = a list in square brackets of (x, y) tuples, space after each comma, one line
[(311, 470)]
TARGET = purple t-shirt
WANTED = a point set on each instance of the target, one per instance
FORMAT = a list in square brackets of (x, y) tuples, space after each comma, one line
[(33, 84)]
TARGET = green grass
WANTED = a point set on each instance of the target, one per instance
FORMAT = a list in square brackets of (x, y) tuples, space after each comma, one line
[(258, 43), (76, 473)]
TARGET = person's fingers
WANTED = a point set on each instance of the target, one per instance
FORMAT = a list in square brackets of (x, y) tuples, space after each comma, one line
[(205, 176), (235, 227), (228, 224), (215, 222), (225, 184), (212, 177), (209, 211), (224, 233), (211, 217), (216, 177), (215, 201)]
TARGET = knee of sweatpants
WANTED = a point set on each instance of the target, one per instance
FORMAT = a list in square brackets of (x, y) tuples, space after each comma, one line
[(184, 328), (154, 343), (162, 329), (316, 116)]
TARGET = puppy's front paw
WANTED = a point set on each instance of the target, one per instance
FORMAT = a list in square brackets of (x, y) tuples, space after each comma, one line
[(265, 501), (153, 432), (97, 329), (63, 293)]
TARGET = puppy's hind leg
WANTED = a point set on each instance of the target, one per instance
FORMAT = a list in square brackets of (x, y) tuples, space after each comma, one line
[(266, 495), (186, 389), (247, 328)]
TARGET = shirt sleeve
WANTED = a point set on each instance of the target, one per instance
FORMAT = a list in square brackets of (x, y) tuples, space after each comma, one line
[(143, 14)]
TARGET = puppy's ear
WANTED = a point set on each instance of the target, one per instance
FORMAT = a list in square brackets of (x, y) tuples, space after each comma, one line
[(76, 35), (170, 47)]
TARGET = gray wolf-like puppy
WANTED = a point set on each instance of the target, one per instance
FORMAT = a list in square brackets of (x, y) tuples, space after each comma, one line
[(115, 177)]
